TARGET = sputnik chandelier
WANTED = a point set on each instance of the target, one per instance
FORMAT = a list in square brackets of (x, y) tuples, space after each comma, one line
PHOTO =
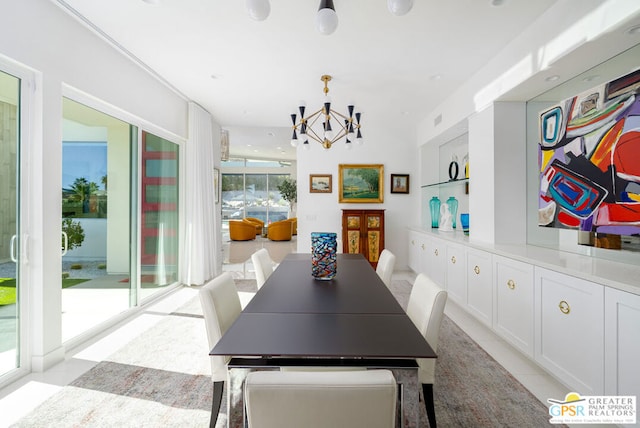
[(326, 18), (349, 125)]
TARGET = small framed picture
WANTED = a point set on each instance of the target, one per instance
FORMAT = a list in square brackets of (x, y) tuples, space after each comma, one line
[(320, 183), (399, 183)]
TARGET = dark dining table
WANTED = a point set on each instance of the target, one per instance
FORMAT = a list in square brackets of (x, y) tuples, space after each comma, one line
[(296, 320)]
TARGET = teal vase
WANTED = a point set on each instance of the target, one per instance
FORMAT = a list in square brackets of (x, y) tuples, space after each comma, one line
[(434, 207), (453, 209)]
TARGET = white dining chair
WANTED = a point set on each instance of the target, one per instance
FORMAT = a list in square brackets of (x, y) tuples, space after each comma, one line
[(220, 307), (320, 399), (426, 309), (386, 263), (263, 265)]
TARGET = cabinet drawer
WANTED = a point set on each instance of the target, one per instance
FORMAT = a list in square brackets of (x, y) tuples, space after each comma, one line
[(513, 304), (569, 337)]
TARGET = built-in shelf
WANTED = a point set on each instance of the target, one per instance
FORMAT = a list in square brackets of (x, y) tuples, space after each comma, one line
[(446, 183)]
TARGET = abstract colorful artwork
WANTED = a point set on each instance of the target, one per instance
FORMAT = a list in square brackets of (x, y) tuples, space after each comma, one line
[(589, 158)]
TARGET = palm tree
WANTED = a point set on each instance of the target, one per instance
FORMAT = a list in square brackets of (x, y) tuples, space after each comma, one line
[(82, 191)]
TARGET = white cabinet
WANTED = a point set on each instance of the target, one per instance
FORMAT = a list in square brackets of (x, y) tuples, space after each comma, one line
[(513, 304), (479, 273), (436, 266), (622, 343), (456, 273), (569, 335), (417, 248)]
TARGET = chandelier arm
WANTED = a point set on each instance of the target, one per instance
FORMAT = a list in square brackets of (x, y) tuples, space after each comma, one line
[(341, 134), (336, 114)]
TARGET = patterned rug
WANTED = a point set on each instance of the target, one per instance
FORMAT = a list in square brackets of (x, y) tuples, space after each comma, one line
[(160, 379)]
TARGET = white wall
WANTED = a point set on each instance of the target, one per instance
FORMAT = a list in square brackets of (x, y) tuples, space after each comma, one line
[(321, 212), (60, 51)]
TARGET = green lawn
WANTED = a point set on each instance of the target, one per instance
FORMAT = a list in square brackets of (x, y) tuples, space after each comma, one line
[(8, 288)]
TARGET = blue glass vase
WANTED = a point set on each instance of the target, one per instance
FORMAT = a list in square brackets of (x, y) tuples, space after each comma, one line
[(434, 207), (453, 209), (324, 251)]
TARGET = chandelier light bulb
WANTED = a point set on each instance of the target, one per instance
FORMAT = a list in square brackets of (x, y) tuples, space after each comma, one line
[(399, 7), (326, 18), (294, 143), (258, 9)]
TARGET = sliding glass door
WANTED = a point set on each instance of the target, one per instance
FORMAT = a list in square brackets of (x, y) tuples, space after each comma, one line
[(10, 285), (159, 214), (97, 210)]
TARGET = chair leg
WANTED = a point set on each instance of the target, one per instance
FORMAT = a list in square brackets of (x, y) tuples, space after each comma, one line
[(218, 388), (427, 392)]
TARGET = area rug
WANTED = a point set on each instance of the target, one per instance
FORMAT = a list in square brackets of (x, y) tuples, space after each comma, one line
[(160, 379)]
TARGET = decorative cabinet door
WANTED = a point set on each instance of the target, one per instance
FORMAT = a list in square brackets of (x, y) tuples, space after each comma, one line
[(513, 305), (569, 336), (363, 233), (480, 285), (456, 260)]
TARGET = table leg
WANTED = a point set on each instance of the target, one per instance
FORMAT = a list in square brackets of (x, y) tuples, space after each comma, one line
[(410, 396), (235, 397)]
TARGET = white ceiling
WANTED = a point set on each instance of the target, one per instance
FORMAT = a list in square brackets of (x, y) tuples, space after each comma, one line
[(251, 75)]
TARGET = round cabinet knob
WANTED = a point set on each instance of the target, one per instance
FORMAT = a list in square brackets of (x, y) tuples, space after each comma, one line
[(564, 307), (477, 270), (413, 242), (422, 246), (453, 259), (511, 284)]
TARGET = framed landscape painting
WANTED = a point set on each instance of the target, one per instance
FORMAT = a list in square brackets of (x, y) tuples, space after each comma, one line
[(360, 183), (320, 183)]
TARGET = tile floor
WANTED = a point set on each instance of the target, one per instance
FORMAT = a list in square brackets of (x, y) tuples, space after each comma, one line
[(22, 396)]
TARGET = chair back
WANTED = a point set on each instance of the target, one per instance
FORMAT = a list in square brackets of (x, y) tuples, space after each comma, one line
[(426, 309), (293, 399), (386, 263), (220, 307), (263, 264)]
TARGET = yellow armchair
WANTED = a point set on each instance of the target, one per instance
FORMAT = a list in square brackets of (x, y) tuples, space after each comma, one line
[(241, 230), (256, 222), (294, 225), (280, 231)]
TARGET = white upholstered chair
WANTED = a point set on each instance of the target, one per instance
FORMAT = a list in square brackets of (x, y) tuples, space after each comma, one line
[(263, 264), (220, 306), (426, 310), (386, 263), (320, 399)]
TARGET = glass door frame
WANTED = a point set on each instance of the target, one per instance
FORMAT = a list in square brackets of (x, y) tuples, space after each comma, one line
[(30, 110), (140, 126)]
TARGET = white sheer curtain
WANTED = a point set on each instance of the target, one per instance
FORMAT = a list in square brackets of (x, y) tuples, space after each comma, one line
[(201, 236)]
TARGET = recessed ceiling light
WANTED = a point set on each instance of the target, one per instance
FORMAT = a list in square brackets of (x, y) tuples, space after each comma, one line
[(590, 78), (497, 3), (633, 30), (436, 77), (552, 78), (154, 2), (271, 134)]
